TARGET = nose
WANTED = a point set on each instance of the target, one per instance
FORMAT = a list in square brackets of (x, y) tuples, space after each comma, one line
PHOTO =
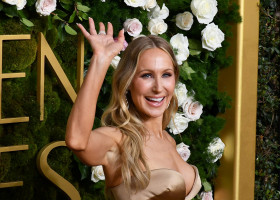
[(158, 85)]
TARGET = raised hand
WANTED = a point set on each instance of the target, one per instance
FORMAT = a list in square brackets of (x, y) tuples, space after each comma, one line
[(103, 44)]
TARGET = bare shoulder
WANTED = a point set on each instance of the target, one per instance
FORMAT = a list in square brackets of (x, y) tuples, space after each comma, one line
[(170, 138)]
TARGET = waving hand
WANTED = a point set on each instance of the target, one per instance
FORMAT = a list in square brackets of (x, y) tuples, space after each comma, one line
[(103, 44)]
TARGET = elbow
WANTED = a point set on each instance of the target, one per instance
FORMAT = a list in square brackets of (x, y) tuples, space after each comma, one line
[(75, 144)]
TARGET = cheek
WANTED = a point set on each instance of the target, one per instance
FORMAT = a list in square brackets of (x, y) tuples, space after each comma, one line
[(170, 85)]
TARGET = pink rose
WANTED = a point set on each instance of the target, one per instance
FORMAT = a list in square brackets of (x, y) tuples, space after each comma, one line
[(192, 109), (206, 195), (183, 151), (45, 7), (125, 44), (133, 27)]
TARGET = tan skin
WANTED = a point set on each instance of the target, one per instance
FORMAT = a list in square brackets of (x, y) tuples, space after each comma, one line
[(154, 79)]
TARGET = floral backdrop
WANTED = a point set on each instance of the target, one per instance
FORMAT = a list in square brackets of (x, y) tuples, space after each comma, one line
[(196, 29)]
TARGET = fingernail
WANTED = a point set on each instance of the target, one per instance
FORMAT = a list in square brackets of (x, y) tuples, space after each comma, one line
[(77, 24)]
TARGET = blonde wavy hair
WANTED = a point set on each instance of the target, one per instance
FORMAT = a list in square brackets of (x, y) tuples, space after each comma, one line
[(127, 119)]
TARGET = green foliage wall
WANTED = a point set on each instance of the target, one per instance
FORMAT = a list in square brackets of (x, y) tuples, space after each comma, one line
[(19, 95), (267, 185)]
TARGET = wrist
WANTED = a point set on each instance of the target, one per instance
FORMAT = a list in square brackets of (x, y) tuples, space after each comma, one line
[(101, 60)]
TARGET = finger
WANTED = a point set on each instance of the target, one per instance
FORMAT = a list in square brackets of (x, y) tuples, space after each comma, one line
[(121, 37), (84, 31), (101, 27), (110, 29), (91, 26)]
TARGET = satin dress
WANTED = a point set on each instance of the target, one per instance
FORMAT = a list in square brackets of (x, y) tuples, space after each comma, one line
[(165, 184)]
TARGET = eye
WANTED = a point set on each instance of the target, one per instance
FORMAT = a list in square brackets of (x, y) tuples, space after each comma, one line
[(147, 75), (167, 75)]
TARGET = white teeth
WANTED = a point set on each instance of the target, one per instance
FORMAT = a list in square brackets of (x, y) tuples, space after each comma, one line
[(156, 99)]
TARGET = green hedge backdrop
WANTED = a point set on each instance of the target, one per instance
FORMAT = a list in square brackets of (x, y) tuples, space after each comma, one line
[(19, 95)]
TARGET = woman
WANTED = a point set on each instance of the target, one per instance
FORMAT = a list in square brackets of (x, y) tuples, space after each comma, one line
[(138, 156)]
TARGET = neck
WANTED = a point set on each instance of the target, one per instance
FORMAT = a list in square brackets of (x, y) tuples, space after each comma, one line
[(154, 126)]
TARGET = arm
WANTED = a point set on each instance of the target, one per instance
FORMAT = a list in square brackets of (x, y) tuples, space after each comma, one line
[(79, 134)]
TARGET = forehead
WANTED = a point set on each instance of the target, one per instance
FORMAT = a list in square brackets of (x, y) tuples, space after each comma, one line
[(154, 57)]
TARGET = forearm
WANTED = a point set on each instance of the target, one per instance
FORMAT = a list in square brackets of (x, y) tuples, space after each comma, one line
[(81, 118)]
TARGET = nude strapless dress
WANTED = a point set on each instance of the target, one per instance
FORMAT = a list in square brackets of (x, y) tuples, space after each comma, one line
[(165, 184)]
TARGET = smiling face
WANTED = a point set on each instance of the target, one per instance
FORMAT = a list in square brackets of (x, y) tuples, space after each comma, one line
[(153, 85)]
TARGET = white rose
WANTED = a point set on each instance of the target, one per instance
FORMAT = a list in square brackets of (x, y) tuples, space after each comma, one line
[(158, 13), (150, 4), (45, 7), (206, 195), (115, 61), (180, 43), (192, 109), (184, 21), (20, 4), (181, 123), (212, 37), (11, 2), (97, 173), (135, 3), (204, 10), (182, 56), (157, 26), (133, 27), (181, 93), (183, 151), (103, 0), (216, 148)]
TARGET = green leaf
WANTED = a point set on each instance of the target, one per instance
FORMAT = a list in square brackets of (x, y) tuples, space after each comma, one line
[(206, 185), (60, 32), (195, 44), (70, 30), (60, 13), (27, 22), (21, 14), (83, 8), (83, 15), (10, 11), (194, 52), (188, 70), (66, 1), (56, 17), (66, 6), (72, 17)]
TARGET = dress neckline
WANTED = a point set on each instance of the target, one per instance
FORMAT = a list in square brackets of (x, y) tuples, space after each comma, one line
[(154, 170)]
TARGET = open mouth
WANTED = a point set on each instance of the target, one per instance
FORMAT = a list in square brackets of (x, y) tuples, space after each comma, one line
[(155, 100)]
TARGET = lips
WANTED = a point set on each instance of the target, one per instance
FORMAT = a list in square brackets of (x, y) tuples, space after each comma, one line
[(155, 101)]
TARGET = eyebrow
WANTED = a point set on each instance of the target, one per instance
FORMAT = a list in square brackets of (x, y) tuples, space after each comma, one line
[(171, 68)]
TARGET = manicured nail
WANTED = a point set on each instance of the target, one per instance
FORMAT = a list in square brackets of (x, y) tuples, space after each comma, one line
[(77, 24)]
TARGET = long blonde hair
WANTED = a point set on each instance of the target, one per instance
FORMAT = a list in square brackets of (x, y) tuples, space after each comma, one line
[(127, 118)]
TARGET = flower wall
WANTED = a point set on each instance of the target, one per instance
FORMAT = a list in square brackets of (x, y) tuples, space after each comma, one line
[(197, 30)]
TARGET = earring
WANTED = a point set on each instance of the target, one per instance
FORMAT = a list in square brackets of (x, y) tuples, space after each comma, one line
[(127, 104)]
